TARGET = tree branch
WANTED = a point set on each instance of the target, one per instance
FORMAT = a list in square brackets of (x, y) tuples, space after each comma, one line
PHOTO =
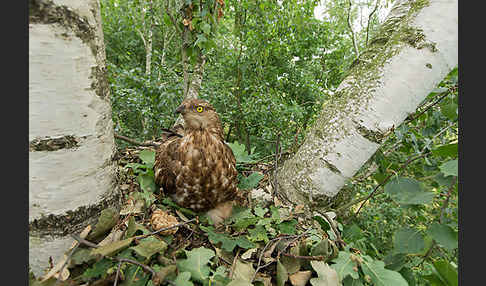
[(353, 36), (369, 19), (135, 142)]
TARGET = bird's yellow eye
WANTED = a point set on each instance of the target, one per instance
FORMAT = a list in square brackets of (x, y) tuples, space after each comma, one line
[(199, 109)]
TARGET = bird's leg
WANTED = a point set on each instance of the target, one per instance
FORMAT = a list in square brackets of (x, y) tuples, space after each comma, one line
[(221, 212)]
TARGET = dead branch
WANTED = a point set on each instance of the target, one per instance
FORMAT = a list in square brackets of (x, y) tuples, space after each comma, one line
[(350, 26), (135, 142), (369, 19)]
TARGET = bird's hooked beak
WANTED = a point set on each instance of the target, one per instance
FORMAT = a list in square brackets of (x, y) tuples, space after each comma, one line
[(180, 109)]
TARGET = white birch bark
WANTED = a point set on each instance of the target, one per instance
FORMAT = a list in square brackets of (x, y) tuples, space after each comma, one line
[(71, 171), (416, 49)]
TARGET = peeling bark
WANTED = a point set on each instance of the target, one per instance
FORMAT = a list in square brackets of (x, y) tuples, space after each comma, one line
[(387, 83)]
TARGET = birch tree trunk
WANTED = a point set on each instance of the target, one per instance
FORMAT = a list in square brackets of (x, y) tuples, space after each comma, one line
[(416, 48), (71, 171)]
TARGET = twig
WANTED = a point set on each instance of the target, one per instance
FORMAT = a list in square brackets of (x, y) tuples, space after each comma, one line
[(277, 149), (59, 277), (84, 241), (440, 97), (117, 273), (369, 19), (164, 229), (339, 240), (410, 160), (446, 203), (276, 240), (135, 142), (353, 36), (317, 257)]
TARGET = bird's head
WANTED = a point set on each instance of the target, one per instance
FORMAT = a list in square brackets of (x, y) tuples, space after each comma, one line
[(198, 114)]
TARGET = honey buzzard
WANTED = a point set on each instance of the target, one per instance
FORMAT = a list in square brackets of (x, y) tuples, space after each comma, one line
[(198, 170)]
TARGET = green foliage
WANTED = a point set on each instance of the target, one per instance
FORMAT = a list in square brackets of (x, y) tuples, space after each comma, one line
[(145, 175), (197, 263)]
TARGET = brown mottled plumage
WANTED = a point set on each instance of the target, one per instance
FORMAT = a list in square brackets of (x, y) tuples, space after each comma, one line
[(198, 170)]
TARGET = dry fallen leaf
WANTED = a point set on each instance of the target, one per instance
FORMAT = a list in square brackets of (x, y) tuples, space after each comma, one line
[(300, 278), (161, 219)]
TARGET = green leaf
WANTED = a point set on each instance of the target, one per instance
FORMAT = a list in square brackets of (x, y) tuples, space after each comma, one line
[(408, 192), (148, 157), (446, 272), (449, 111), (291, 264), (344, 265), (443, 180), (82, 255), (131, 228), (146, 182), (282, 275), (98, 269), (196, 263), (206, 28), (112, 248), (260, 212), (322, 222), (449, 168), (147, 248), (258, 233), (408, 241), (407, 273), (327, 276), (395, 261), (287, 227), (240, 154), (228, 243), (250, 182), (183, 279), (448, 150), (380, 276), (107, 220), (348, 281), (444, 235)]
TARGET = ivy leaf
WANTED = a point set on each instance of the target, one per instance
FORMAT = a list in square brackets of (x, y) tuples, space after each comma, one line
[(287, 227), (408, 241), (380, 275), (327, 276), (206, 28), (98, 269), (258, 234), (348, 281), (147, 248), (148, 157), (241, 155), (322, 222), (196, 263), (344, 266), (444, 235), (449, 168), (250, 182), (260, 212), (228, 243), (183, 279), (408, 192)]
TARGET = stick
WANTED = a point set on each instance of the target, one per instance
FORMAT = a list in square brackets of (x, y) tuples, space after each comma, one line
[(317, 257), (135, 142), (410, 160)]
